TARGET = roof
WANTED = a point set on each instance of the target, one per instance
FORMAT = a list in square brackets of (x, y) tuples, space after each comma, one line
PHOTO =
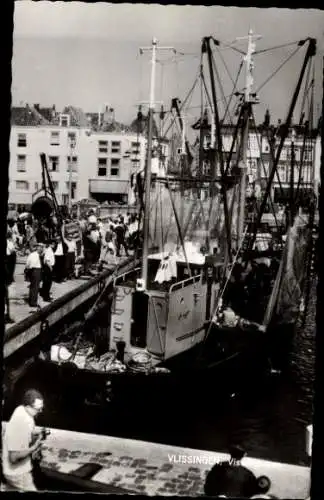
[(78, 117), (141, 126), (27, 116)]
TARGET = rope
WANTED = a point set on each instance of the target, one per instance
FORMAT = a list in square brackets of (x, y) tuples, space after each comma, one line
[(220, 295), (262, 51), (179, 230), (221, 88), (233, 91), (305, 89), (304, 148), (161, 218), (264, 170), (277, 70), (210, 104), (174, 120), (226, 67)]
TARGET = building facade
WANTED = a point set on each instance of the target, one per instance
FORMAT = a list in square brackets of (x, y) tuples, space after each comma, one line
[(25, 171), (304, 175), (95, 161)]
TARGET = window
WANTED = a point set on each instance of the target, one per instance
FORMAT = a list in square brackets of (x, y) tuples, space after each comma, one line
[(71, 138), (103, 146), (21, 163), (114, 170), (24, 185), (308, 152), (55, 139), (64, 120), (135, 163), (36, 186), (55, 185), (136, 148), (74, 163), (102, 167), (22, 140), (264, 169), (115, 146), (282, 172), (53, 163)]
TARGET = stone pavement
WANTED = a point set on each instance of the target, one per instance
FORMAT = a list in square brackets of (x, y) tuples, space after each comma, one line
[(18, 290), (149, 468), (18, 293)]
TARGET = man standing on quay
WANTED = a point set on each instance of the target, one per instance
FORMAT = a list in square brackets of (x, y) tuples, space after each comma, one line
[(33, 273), (17, 450)]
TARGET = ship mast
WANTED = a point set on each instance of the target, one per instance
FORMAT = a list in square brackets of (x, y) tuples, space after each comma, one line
[(245, 136), (142, 284)]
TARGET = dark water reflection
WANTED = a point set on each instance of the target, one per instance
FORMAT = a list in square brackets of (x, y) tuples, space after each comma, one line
[(269, 419)]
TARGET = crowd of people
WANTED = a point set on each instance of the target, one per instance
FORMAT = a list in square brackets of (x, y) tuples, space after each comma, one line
[(55, 254)]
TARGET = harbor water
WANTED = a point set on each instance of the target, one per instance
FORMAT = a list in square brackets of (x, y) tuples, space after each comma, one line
[(268, 419)]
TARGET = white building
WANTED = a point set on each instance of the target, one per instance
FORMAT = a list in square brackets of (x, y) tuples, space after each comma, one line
[(112, 159), (25, 171), (102, 163)]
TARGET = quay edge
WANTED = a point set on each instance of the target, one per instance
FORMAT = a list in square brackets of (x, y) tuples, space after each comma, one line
[(22, 340), (158, 469)]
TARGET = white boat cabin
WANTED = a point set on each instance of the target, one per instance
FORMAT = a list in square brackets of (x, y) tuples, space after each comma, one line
[(169, 317)]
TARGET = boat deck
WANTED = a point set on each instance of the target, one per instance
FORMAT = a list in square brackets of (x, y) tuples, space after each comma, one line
[(147, 468)]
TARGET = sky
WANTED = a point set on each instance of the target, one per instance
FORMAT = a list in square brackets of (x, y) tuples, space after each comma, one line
[(87, 55)]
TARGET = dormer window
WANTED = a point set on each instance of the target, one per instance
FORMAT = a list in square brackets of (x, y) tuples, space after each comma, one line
[(64, 120)]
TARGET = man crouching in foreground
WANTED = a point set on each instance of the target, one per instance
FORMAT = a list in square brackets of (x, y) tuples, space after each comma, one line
[(19, 445)]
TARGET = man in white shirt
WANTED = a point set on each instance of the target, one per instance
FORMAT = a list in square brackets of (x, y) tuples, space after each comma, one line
[(92, 219), (47, 274), (34, 274), (10, 264), (11, 256), (60, 261), (70, 256), (18, 447)]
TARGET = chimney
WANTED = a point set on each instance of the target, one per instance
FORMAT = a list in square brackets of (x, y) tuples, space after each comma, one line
[(267, 119), (109, 115)]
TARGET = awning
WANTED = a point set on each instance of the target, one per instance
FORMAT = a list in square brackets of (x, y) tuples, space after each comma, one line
[(108, 186)]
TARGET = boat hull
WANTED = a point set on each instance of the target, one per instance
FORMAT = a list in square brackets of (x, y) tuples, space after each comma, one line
[(231, 361)]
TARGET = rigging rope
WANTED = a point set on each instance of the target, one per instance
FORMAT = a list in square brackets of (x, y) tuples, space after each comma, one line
[(222, 291), (179, 230), (306, 89), (264, 169), (277, 70), (221, 87), (184, 102), (262, 51), (207, 92), (233, 91), (226, 67)]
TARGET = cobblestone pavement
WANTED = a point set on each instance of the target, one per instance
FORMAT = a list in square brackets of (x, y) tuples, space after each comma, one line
[(148, 468)]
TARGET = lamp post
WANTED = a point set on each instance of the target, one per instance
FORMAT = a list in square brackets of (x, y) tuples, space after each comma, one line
[(72, 146)]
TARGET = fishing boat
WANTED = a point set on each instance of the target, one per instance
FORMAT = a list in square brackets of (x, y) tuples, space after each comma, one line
[(201, 316)]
